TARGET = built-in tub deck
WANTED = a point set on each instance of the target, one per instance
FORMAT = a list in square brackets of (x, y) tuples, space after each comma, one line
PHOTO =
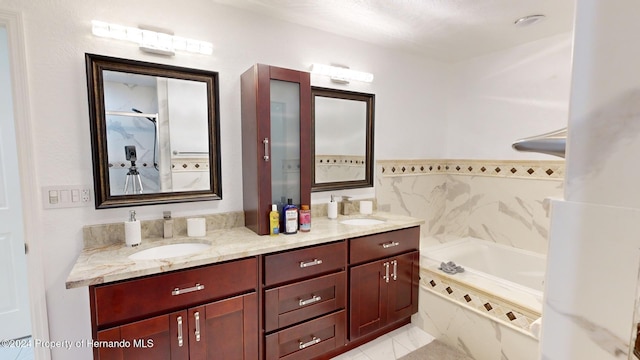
[(499, 281)]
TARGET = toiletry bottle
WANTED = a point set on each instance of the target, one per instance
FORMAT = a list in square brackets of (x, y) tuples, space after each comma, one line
[(290, 218), (274, 220), (168, 224), (305, 218), (132, 231), (332, 208)]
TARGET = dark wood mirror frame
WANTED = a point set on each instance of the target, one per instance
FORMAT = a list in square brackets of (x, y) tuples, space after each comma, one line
[(95, 65), (369, 100)]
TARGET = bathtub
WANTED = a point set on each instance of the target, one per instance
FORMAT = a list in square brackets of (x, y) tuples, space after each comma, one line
[(516, 268), (499, 281)]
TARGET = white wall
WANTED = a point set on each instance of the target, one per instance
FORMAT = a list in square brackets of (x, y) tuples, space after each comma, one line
[(507, 95)]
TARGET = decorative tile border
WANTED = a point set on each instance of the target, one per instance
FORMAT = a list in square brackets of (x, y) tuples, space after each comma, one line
[(177, 164), (340, 160), (127, 164), (497, 308), (524, 169), (190, 164)]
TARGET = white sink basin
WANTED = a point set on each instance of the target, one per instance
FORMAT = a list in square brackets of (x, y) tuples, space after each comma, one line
[(169, 251), (362, 221)]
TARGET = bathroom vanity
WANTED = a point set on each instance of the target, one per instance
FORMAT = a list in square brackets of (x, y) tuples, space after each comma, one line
[(305, 296)]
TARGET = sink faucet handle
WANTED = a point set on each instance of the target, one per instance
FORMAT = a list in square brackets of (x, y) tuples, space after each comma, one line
[(346, 198)]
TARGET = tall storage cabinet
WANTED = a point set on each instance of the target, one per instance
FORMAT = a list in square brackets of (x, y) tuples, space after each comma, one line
[(276, 141)]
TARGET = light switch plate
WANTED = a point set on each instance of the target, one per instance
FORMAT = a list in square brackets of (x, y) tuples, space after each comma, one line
[(66, 196)]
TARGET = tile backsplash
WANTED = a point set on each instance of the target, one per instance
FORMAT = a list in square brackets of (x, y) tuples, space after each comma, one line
[(108, 234), (500, 201)]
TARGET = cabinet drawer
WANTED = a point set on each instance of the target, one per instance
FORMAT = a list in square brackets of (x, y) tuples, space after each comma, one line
[(135, 299), (373, 247), (308, 340), (294, 303), (299, 264)]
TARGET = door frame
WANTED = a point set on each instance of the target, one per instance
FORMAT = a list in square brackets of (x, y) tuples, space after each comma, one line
[(31, 211)]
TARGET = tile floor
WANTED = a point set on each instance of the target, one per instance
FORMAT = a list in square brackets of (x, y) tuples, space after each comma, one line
[(390, 346)]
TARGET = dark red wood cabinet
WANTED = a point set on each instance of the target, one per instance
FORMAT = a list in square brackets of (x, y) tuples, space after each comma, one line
[(205, 313), (312, 302), (305, 299), (276, 141), (384, 278), (383, 292)]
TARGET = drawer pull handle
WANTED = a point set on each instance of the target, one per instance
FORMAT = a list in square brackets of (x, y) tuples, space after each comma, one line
[(178, 291), (180, 341), (197, 333), (314, 298), (386, 272), (314, 340), (390, 244), (266, 149), (304, 264), (395, 270)]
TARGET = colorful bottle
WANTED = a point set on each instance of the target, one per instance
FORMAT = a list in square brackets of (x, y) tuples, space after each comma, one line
[(274, 220), (290, 218), (305, 218)]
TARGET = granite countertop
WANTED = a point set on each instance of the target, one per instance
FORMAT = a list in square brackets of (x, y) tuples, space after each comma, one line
[(103, 264)]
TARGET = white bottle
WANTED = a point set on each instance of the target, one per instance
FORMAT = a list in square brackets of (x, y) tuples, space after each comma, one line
[(132, 231), (332, 209)]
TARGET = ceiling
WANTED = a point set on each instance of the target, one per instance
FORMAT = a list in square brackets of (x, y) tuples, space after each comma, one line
[(447, 30)]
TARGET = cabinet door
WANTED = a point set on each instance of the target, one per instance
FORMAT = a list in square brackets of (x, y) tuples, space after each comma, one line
[(369, 292), (226, 329), (160, 337), (403, 286)]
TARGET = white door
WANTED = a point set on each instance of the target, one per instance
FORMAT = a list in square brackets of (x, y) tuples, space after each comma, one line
[(14, 301)]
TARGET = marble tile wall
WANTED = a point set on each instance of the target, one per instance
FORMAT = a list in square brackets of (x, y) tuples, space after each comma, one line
[(472, 332), (330, 168), (591, 291), (491, 305), (500, 201)]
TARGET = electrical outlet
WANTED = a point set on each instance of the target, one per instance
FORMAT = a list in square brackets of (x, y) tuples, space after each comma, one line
[(85, 195), (66, 196)]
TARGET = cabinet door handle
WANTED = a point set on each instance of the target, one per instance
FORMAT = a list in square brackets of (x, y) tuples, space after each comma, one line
[(395, 270), (178, 291), (266, 149), (304, 264), (314, 298), (390, 244), (180, 339), (386, 271), (196, 315), (314, 340)]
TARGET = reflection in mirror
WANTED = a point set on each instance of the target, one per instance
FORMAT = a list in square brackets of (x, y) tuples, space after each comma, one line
[(154, 132), (343, 139)]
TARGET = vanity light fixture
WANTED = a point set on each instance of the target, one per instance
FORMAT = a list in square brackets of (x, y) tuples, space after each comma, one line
[(341, 74), (151, 40)]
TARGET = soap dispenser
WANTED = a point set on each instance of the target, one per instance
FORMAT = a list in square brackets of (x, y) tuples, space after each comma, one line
[(132, 231), (332, 208)]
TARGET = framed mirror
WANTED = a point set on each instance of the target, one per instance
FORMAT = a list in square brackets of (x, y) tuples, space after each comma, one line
[(155, 133), (342, 125)]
